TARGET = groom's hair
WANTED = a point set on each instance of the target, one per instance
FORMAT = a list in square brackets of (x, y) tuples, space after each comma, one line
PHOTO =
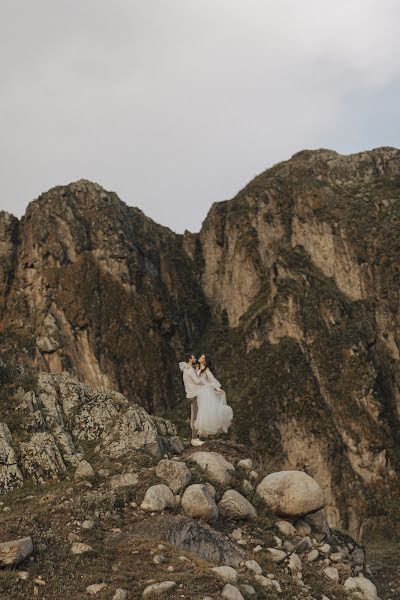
[(188, 356)]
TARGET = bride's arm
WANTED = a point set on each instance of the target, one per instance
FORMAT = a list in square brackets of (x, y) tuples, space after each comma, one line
[(212, 380)]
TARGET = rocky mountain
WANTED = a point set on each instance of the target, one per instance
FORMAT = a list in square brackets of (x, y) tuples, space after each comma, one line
[(102, 499), (292, 286)]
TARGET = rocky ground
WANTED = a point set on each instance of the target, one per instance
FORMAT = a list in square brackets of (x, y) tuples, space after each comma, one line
[(99, 498)]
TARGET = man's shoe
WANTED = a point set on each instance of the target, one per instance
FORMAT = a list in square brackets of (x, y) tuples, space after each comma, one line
[(197, 442)]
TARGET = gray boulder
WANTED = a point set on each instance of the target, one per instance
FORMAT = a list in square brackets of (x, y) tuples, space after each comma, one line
[(186, 535), (291, 493)]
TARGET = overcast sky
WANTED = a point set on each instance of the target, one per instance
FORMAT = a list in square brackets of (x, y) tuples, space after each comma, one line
[(175, 104)]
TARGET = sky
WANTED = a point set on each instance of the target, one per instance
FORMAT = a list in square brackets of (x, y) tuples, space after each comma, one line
[(176, 104)]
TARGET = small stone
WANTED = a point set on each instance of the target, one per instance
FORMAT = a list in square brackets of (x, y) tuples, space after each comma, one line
[(332, 574), (325, 548), (39, 581), (276, 555), (73, 537), (84, 471), (236, 534), (313, 555), (103, 473), (294, 563), (304, 545), (23, 575), (358, 557), (95, 588), (337, 557), (252, 565), (14, 552), (302, 527), (79, 548), (278, 541), (246, 463), (268, 583), (230, 592), (158, 589), (159, 559), (227, 574), (257, 548), (286, 528), (88, 524), (120, 594), (254, 475), (171, 568), (247, 590), (247, 487)]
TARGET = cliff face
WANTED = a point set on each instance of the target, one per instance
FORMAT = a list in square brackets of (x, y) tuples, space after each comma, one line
[(93, 286), (300, 275), (301, 271)]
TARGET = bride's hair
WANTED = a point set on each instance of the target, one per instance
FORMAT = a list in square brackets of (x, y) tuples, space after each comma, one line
[(208, 362)]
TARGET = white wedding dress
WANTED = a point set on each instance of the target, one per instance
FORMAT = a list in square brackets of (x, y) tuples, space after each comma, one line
[(213, 413)]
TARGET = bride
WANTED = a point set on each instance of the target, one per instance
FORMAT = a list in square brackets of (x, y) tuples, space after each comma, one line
[(213, 413)]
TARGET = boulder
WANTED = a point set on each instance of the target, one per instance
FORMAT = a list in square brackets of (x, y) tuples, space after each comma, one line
[(175, 473), (198, 502), (124, 480), (235, 506), (227, 574), (186, 535), (84, 471), (291, 493), (158, 589), (361, 587), (230, 592), (14, 552), (214, 465), (158, 498)]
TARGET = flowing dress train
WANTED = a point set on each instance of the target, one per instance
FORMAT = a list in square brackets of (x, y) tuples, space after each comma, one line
[(213, 413)]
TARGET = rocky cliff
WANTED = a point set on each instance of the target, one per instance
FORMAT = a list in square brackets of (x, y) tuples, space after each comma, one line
[(292, 286)]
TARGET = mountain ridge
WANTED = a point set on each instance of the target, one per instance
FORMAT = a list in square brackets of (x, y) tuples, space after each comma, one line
[(292, 286)]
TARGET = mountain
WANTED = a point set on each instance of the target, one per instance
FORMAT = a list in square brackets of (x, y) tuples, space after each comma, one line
[(292, 286)]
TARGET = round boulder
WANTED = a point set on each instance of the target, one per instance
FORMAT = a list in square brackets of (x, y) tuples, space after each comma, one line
[(198, 502), (291, 493), (158, 498)]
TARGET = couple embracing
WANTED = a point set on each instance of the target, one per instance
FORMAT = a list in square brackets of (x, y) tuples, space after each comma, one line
[(210, 413)]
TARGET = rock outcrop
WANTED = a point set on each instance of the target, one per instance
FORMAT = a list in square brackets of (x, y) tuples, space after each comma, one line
[(52, 421)]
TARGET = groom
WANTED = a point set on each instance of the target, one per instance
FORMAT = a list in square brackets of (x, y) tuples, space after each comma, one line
[(192, 381)]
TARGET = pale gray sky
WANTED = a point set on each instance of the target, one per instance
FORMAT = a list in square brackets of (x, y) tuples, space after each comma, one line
[(176, 104)]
